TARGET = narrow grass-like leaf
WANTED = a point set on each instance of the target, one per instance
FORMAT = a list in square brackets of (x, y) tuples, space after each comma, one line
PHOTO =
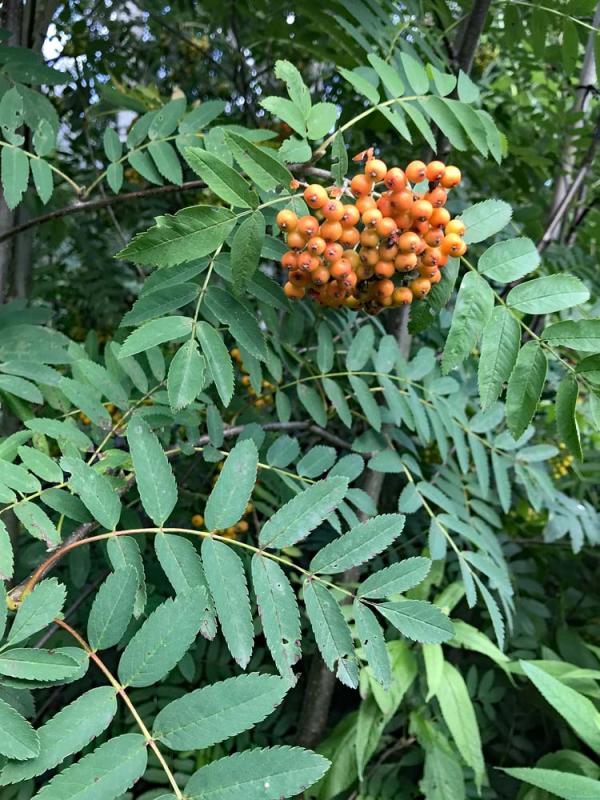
[(569, 786)]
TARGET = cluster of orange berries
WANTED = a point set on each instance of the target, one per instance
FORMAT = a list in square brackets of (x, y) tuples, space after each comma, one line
[(265, 398), (385, 249), (232, 532)]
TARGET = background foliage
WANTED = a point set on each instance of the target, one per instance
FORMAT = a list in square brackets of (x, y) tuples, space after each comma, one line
[(400, 597)]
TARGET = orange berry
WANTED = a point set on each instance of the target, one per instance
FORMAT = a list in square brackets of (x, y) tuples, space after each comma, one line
[(384, 269), (451, 244), (369, 255), (402, 200), (293, 292), (451, 177), (421, 210), (331, 231), (416, 171), (333, 210), (289, 260), (437, 197), (388, 252), (409, 242), (402, 296), (369, 238), (308, 225), (405, 262), (352, 257), (315, 196), (404, 221), (455, 226), (350, 237), (431, 257), (320, 276), (349, 280), (316, 245), (364, 203), (350, 216), (295, 240), (286, 219), (303, 262), (420, 287), (436, 277), (361, 186), (435, 170), (385, 288), (197, 521), (427, 270), (299, 278), (439, 218), (386, 226), (375, 169), (371, 217), (395, 179), (434, 236), (333, 251), (340, 268), (462, 249)]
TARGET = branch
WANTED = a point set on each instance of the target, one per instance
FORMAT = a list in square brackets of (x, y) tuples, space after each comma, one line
[(92, 205), (471, 34)]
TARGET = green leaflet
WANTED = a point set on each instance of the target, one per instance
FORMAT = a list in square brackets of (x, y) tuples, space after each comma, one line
[(17, 738), (37, 664), (484, 219), (263, 169), (548, 294), (227, 581), (186, 376), (331, 631), (15, 175), (561, 784), (185, 236), (233, 489), (38, 609), (459, 716), (104, 774), (499, 349), (316, 461), (153, 474), (360, 544), (390, 78), (474, 305), (158, 303), (360, 348), (279, 614), (509, 260), (242, 776), (214, 713), (396, 578), (245, 250), (60, 430), (162, 640), (11, 384), (297, 518), (566, 420), (335, 395), (525, 387), (157, 331), (95, 491), (183, 567), (67, 732), (218, 360), (373, 643), (224, 181), (40, 464), (242, 324), (18, 478), (112, 608), (581, 334), (166, 161), (418, 620), (124, 552), (37, 522), (313, 403), (580, 712), (6, 554), (366, 401)]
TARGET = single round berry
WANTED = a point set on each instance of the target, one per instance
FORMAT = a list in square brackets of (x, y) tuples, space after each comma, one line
[(333, 251), (308, 226), (451, 244), (293, 292), (315, 196), (420, 287), (439, 218), (350, 237), (402, 296), (395, 179), (416, 171), (421, 210), (455, 226), (361, 186), (350, 217), (409, 242), (316, 245), (386, 226), (289, 260), (286, 219), (333, 210), (451, 177), (375, 169), (331, 231), (435, 170), (437, 197)]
